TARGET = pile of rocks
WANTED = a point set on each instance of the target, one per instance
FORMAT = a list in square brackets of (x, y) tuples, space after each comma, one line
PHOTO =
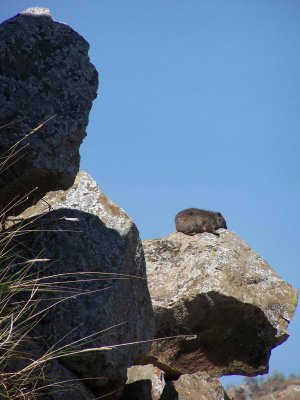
[(218, 308)]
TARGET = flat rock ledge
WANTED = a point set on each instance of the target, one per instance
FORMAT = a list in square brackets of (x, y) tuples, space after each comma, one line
[(216, 289)]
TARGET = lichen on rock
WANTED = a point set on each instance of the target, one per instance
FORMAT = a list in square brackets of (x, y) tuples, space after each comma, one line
[(220, 291), (45, 77), (96, 257)]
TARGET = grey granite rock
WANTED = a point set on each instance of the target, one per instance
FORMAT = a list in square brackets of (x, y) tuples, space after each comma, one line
[(216, 289), (271, 389), (45, 75), (198, 386), (144, 382), (83, 232)]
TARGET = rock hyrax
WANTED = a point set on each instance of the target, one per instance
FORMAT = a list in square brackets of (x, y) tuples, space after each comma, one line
[(193, 220)]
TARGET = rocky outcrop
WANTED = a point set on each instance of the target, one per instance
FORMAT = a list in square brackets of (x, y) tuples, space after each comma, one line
[(99, 280), (144, 382), (199, 386), (77, 260), (220, 291), (45, 78), (147, 383)]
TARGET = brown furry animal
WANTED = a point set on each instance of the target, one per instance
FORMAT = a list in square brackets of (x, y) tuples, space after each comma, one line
[(193, 220)]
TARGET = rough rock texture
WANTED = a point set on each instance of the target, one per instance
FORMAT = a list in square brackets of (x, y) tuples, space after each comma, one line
[(219, 290), (51, 380), (147, 383), (82, 231), (144, 382), (199, 386), (44, 72)]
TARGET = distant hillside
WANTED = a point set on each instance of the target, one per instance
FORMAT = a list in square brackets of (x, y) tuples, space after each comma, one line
[(276, 387)]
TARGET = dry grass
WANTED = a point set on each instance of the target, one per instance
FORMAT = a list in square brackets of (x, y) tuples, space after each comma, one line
[(24, 373)]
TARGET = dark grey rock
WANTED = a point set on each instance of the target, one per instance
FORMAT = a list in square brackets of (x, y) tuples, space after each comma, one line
[(139, 390), (85, 232), (45, 75), (47, 378)]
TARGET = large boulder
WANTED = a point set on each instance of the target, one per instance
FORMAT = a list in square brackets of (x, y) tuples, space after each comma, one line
[(45, 77), (220, 291), (99, 281)]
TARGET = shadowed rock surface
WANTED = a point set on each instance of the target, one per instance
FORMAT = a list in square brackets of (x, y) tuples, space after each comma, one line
[(44, 72), (50, 380), (85, 232), (219, 290)]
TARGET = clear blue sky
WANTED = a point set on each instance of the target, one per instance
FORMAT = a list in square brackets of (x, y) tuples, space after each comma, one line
[(198, 107)]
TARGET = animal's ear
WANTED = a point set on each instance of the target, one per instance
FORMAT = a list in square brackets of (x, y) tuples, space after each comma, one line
[(219, 214)]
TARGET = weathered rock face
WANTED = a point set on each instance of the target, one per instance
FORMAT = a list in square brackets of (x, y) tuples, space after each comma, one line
[(144, 382), (147, 383), (44, 72), (199, 386), (219, 290), (81, 231)]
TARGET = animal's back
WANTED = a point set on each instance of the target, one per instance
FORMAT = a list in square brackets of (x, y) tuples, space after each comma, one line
[(194, 220)]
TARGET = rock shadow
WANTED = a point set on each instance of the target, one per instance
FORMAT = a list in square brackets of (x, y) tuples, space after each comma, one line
[(230, 336), (90, 288)]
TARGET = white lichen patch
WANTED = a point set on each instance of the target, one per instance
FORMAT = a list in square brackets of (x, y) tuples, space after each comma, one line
[(85, 196), (37, 11)]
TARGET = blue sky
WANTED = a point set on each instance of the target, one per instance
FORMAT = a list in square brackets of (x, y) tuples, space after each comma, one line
[(198, 106)]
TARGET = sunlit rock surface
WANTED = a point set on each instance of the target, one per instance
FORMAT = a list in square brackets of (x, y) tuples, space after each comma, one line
[(220, 291), (198, 386)]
